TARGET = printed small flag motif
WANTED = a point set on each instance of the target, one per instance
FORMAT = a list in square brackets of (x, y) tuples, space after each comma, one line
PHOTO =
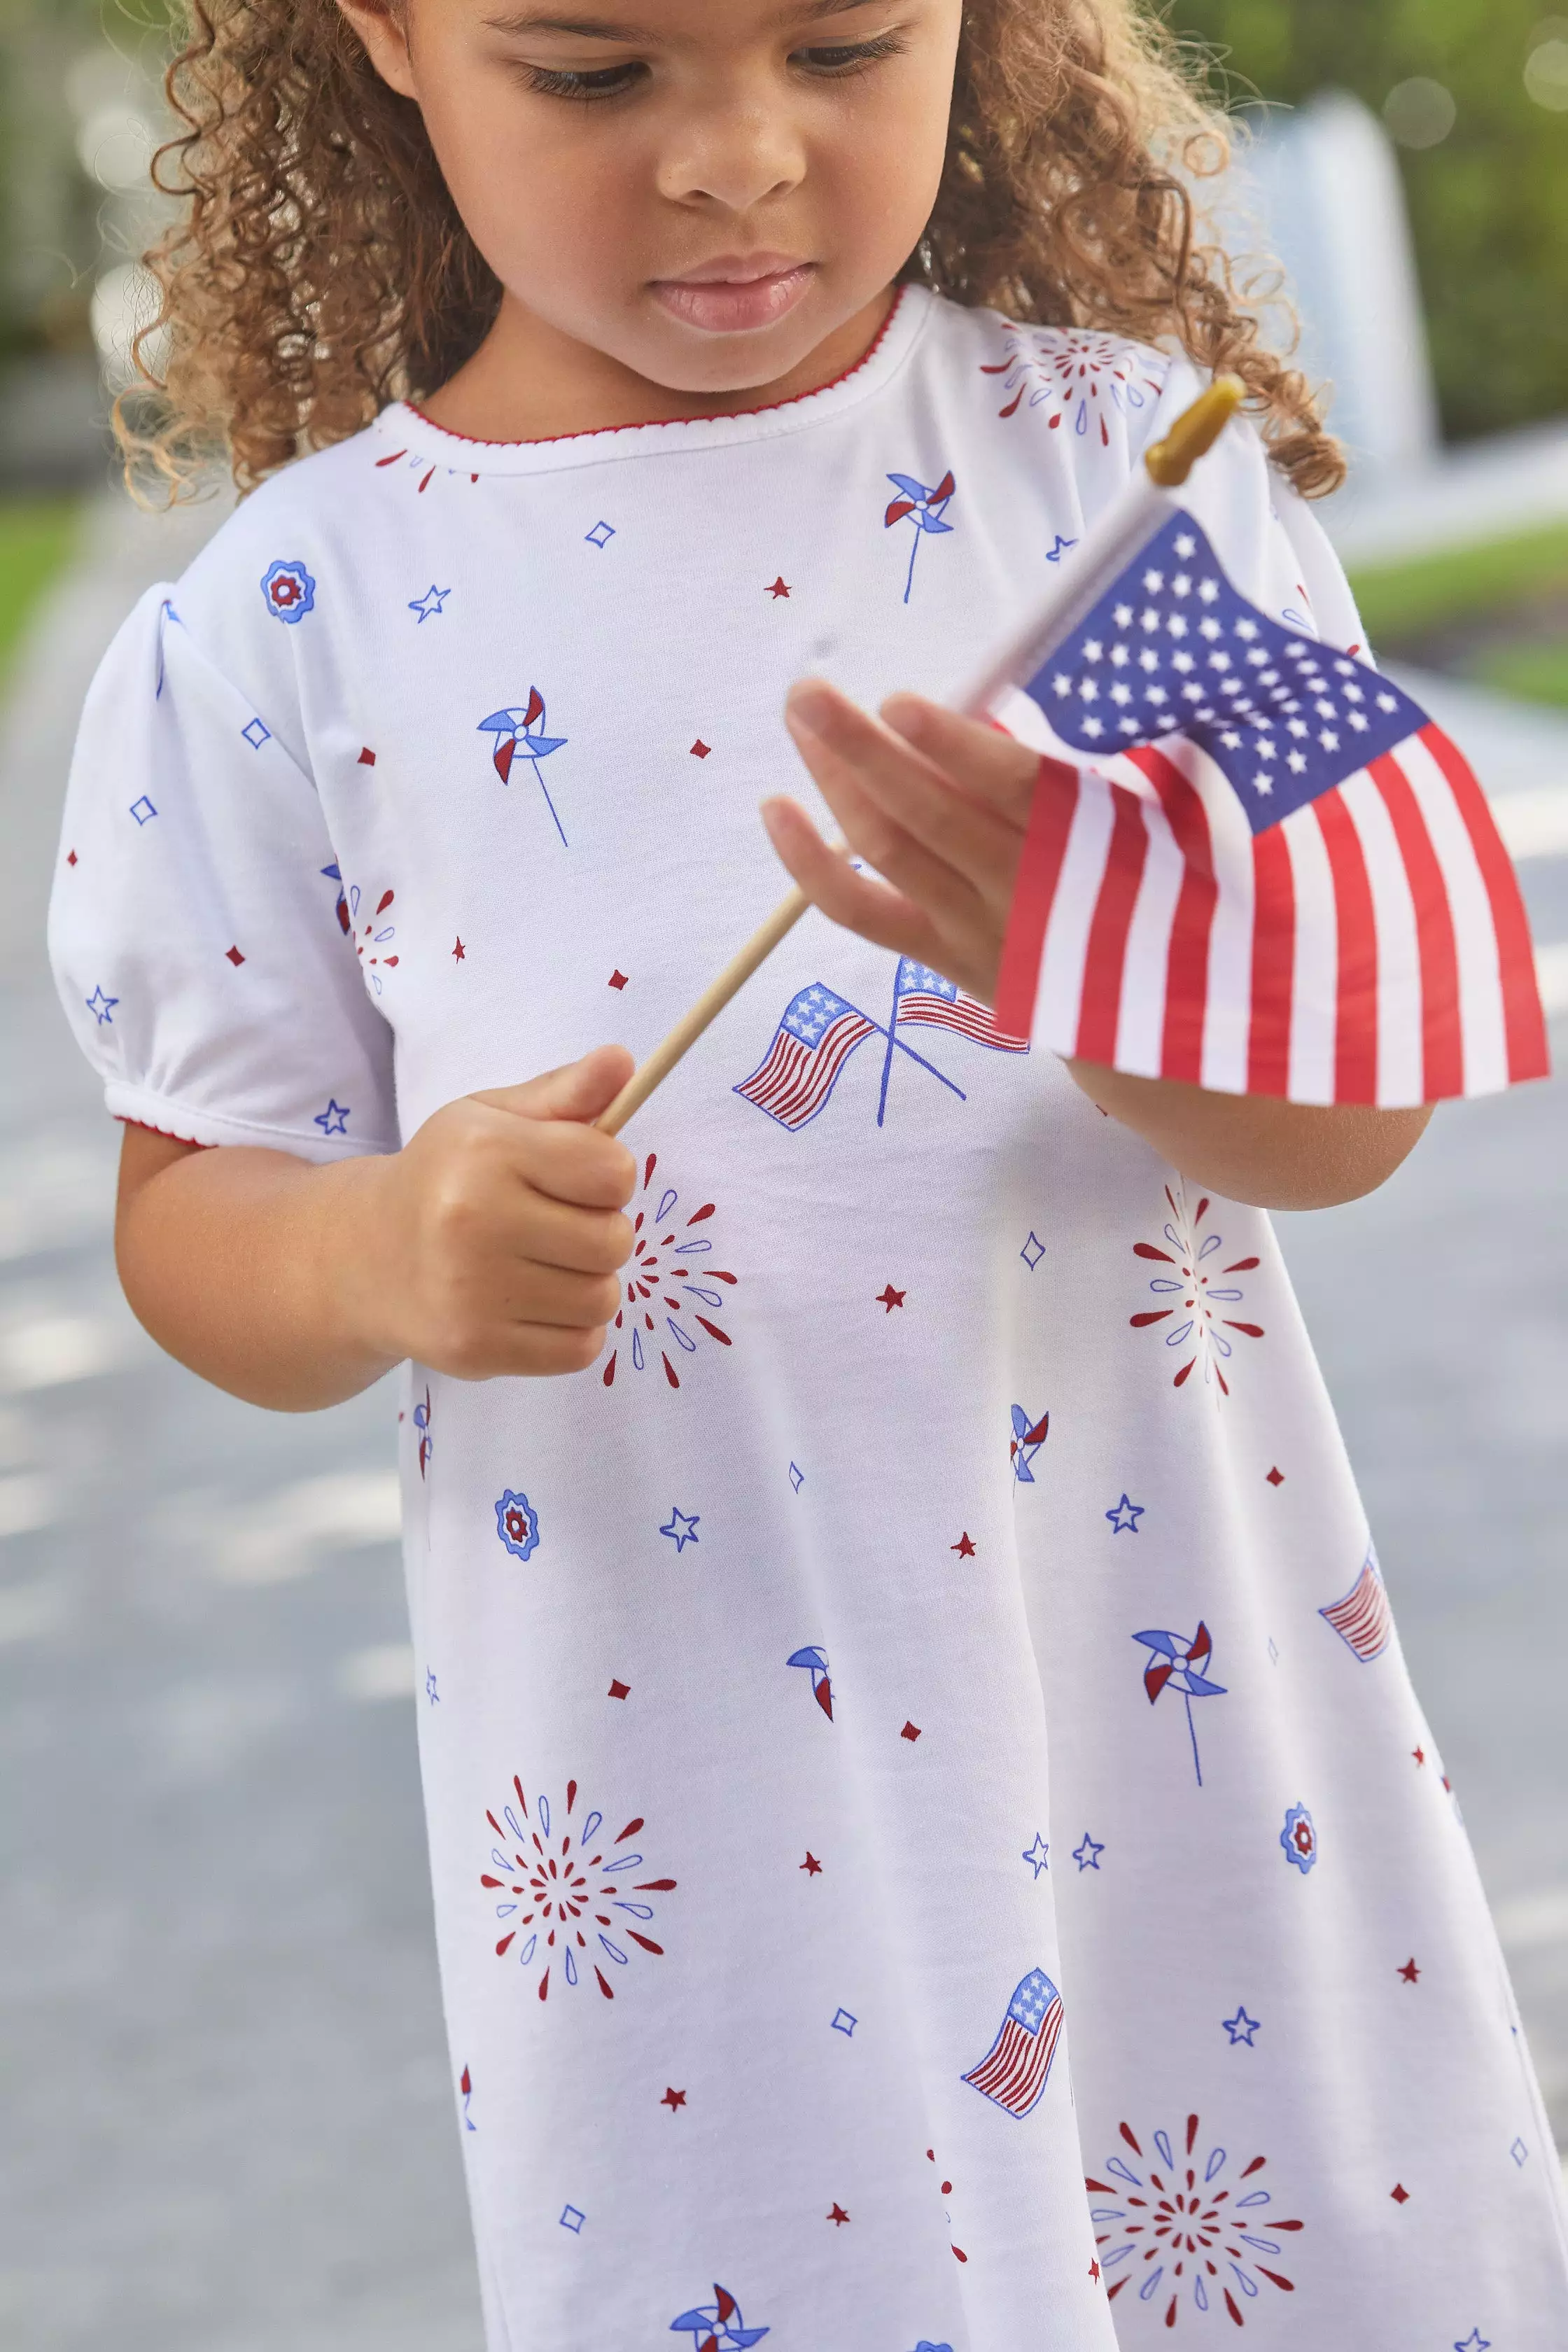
[(1363, 1619), (819, 1032), (1015, 2070), (1278, 877), (925, 1000)]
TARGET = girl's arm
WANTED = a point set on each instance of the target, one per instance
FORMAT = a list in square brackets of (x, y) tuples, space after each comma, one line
[(488, 1245), (939, 804)]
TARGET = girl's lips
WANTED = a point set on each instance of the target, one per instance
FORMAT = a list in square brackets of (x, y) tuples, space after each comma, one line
[(731, 306)]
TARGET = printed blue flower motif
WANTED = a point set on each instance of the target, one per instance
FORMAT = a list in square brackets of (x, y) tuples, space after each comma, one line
[(925, 509), (517, 1524), (719, 2326), (290, 592), (925, 2345), (1300, 1839)]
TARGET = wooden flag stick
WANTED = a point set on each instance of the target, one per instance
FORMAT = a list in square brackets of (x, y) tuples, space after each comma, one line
[(1165, 467)]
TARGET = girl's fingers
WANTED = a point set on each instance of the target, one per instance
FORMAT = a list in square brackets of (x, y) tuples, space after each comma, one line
[(933, 808), (884, 917), (993, 764), (944, 894)]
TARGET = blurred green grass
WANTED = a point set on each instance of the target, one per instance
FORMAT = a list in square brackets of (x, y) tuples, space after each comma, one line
[(1508, 595), (37, 538)]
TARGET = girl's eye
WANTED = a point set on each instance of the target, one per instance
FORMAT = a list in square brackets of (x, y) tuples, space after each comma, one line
[(607, 81), (841, 59)]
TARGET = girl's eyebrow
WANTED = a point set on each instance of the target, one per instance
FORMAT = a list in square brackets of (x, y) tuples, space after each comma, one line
[(598, 28)]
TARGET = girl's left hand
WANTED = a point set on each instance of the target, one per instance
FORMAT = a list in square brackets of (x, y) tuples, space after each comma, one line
[(937, 803)]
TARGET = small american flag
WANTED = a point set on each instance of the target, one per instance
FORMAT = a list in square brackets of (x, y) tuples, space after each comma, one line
[(925, 1000), (1015, 2070), (819, 1032), (1277, 877), (1363, 1619)]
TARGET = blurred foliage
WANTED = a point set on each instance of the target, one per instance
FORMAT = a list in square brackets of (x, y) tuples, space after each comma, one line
[(1489, 204), (1403, 600), (36, 535)]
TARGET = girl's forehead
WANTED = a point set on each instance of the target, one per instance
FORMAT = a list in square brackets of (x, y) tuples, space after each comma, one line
[(710, 22)]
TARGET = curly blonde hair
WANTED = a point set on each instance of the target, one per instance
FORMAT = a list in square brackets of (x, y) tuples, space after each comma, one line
[(318, 267)]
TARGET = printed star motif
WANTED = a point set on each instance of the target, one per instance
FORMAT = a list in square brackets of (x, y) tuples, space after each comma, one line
[(431, 1692), (680, 1528), (964, 1548), (101, 1007), (1035, 1854), (811, 1865), (673, 2099), (1276, 1477), (889, 1299), (838, 2216), (1410, 1973), (1241, 2028), (778, 589), (1087, 1854), (429, 607), (335, 1119), (1400, 2194), (619, 1689), (1094, 2274), (911, 1732), (1419, 1754), (1033, 1251), (1124, 1516), (1475, 2341), (700, 750), (618, 978), (459, 953)]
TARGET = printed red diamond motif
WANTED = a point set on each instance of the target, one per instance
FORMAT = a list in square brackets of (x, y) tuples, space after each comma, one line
[(700, 750), (1276, 1477), (70, 858), (618, 978), (367, 758), (620, 1690), (1400, 2194), (235, 957), (911, 1731)]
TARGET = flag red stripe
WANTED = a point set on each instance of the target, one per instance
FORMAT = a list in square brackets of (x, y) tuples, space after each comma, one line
[(1355, 1008), (1524, 1022), (1187, 965), (1051, 814), (1442, 1035), (1105, 958), (1273, 965)]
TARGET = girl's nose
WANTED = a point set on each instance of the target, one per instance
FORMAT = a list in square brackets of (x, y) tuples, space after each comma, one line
[(735, 157)]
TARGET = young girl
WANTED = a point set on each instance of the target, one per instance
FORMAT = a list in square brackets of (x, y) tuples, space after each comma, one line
[(910, 1714)]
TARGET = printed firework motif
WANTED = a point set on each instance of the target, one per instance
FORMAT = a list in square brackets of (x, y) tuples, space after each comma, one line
[(815, 1663), (1028, 1436), (289, 591), (1015, 2070), (717, 2327), (1178, 1665), (667, 1259), (422, 467), (1198, 1332), (517, 1525), (422, 1423), (1363, 1619), (1186, 2230), (1084, 376), (925, 509), (466, 2084), (516, 731), (820, 1030), (958, 2253), (1298, 1838), (371, 938), (560, 1888)]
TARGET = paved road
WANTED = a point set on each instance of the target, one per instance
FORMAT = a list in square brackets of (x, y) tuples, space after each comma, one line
[(229, 2127)]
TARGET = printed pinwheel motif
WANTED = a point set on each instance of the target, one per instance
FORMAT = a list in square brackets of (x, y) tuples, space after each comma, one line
[(815, 1661), (1183, 1665), (523, 731), (925, 509), (717, 2327), (1187, 2227), (422, 1423)]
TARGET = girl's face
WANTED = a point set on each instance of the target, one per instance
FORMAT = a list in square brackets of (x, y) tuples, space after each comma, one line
[(702, 191)]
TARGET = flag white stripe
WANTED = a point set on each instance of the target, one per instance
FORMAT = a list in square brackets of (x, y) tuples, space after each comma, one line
[(1227, 1008), (1482, 1021), (1060, 999), (1141, 1028), (1315, 981), (1401, 1071)]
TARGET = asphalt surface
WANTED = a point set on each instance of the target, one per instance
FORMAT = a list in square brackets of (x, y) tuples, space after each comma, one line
[(228, 2124)]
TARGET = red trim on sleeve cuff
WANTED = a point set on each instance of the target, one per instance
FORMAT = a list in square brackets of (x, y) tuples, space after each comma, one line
[(167, 1133)]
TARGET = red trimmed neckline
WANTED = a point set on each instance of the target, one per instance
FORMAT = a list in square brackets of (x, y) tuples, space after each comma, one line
[(653, 423)]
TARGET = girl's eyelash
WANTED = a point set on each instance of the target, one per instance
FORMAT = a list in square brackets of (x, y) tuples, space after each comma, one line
[(831, 62)]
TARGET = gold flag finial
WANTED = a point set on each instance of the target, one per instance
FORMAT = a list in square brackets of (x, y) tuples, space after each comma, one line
[(1194, 435)]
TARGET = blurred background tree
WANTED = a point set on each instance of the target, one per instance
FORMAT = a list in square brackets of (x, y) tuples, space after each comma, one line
[(1476, 93)]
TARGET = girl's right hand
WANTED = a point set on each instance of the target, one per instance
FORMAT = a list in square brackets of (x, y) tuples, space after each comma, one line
[(491, 1244)]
